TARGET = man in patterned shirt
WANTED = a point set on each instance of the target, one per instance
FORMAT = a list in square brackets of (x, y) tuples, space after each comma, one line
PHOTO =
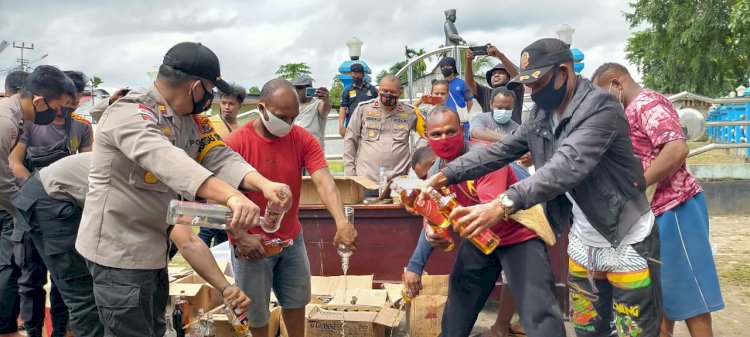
[(690, 286)]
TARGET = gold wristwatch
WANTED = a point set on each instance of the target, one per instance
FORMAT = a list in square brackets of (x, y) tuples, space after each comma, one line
[(509, 207)]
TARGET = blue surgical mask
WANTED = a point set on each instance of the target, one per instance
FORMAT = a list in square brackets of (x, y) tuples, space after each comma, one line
[(501, 116)]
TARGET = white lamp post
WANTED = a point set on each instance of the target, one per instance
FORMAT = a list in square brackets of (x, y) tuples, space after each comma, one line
[(565, 33), (355, 48)]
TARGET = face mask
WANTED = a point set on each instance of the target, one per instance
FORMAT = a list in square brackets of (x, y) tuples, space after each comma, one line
[(447, 71), (44, 117), (448, 148), (204, 103), (548, 98), (275, 125), (501, 116), (358, 80), (388, 99)]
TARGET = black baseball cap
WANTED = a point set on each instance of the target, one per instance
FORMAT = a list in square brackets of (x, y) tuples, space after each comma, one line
[(538, 58), (357, 68), (196, 59)]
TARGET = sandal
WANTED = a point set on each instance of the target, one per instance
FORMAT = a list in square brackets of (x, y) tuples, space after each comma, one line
[(516, 329)]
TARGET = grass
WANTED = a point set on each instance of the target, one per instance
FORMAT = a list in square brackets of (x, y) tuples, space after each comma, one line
[(712, 157), (336, 167), (738, 274)]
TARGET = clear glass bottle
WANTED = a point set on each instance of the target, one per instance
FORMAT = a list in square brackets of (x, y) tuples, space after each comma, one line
[(342, 249), (382, 180), (196, 329), (210, 328), (170, 332), (201, 215), (273, 214)]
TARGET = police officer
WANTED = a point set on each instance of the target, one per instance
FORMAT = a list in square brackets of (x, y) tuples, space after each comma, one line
[(153, 146), (44, 93), (378, 134), (358, 92)]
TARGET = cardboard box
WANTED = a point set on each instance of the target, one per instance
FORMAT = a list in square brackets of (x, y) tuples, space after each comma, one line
[(224, 328), (425, 312), (362, 311), (351, 189), (200, 295)]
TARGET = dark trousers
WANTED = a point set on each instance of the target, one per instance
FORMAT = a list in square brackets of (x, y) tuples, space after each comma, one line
[(31, 289), (9, 274), (131, 302), (53, 230), (208, 234), (530, 279)]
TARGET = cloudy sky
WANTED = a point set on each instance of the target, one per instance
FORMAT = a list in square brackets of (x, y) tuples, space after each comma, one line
[(120, 41)]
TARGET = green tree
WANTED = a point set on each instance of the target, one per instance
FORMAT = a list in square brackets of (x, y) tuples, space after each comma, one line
[(254, 90), (381, 74), (337, 88), (96, 81), (689, 45), (290, 71)]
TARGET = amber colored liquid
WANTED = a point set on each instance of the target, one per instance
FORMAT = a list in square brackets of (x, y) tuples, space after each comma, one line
[(486, 241), (272, 249), (437, 223)]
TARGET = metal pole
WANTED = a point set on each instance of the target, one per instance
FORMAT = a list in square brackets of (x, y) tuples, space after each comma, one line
[(410, 80)]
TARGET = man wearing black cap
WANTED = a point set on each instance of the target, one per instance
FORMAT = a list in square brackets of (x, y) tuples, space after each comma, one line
[(586, 171), (459, 98), (358, 92), (496, 77), (152, 146)]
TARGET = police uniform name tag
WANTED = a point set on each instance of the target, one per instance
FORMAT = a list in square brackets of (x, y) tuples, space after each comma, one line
[(352, 93)]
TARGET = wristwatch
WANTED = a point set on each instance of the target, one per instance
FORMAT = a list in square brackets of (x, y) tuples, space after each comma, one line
[(509, 207)]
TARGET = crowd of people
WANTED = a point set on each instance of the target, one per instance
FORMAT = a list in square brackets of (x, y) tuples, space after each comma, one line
[(608, 161)]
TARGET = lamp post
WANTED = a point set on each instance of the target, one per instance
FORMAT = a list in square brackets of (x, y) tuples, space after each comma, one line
[(355, 52), (565, 33)]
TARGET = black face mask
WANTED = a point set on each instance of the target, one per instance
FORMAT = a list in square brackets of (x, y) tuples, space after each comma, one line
[(388, 99), (204, 103), (447, 71), (46, 116), (548, 98), (358, 80)]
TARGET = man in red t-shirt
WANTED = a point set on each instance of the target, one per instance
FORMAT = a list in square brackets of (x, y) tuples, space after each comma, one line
[(280, 151), (521, 254)]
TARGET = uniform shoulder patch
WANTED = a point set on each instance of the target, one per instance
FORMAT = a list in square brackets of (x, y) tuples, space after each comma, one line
[(147, 113), (204, 124), (76, 117)]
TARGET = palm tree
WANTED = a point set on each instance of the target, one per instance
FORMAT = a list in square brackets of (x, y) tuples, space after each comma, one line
[(95, 82)]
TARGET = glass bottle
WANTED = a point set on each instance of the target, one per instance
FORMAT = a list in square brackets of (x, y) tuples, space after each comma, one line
[(170, 332), (210, 328), (435, 222), (486, 241), (238, 320)]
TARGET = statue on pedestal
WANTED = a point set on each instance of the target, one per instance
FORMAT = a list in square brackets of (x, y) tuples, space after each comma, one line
[(451, 34)]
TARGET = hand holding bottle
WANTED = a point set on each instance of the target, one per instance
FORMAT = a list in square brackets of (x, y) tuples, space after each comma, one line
[(477, 218), (235, 297)]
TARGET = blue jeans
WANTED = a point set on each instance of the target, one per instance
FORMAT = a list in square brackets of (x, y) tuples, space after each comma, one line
[(207, 234)]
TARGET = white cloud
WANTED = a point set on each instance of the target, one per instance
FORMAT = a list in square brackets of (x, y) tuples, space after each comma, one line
[(121, 41)]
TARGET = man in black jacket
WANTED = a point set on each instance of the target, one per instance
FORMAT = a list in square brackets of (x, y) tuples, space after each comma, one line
[(586, 171)]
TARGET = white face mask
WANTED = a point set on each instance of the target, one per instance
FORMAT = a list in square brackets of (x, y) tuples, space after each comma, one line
[(501, 116), (275, 125)]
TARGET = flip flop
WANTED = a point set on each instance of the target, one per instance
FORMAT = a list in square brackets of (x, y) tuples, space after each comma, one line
[(516, 329)]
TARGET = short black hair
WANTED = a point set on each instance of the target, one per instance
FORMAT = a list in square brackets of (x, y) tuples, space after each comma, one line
[(49, 82), (78, 78), (174, 77), (14, 81), (238, 92), (502, 91), (272, 86), (421, 155), (610, 66)]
